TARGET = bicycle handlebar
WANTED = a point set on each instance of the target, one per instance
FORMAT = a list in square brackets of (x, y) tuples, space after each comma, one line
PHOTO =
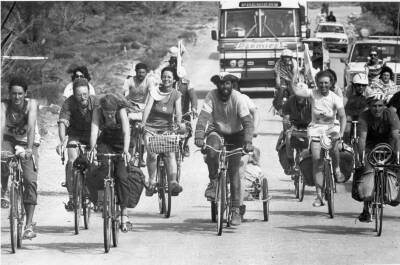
[(112, 155), (228, 153)]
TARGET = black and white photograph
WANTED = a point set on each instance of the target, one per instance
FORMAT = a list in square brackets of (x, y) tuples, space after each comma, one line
[(238, 132)]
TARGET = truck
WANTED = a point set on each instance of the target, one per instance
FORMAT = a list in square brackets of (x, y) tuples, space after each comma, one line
[(252, 34)]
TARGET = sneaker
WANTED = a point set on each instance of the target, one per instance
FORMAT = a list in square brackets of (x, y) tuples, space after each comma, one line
[(318, 202), (210, 192), (236, 217), (242, 210), (28, 232), (175, 188), (339, 177), (365, 217), (69, 206), (186, 151)]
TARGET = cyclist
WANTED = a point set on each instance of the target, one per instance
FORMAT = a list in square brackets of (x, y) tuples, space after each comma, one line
[(229, 117), (110, 116), (377, 124), (355, 101), (385, 83), (75, 121), (188, 98), (19, 127), (136, 89), (374, 66), (296, 116), (325, 106), (164, 103), (77, 72), (285, 69)]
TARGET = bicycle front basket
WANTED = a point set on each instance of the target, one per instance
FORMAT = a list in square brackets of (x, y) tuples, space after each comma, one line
[(163, 144)]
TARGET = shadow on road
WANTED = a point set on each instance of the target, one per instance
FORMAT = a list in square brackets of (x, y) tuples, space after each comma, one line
[(70, 248), (54, 229), (188, 226), (330, 229)]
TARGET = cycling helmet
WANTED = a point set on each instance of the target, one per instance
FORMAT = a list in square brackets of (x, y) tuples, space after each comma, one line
[(287, 53), (360, 78), (376, 96)]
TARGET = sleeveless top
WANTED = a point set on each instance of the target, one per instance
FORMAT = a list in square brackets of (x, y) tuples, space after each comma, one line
[(161, 113), (17, 123)]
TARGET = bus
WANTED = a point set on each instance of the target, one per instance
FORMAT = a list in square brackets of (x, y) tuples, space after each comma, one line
[(252, 34)]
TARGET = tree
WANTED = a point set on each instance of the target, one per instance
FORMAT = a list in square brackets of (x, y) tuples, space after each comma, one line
[(386, 11)]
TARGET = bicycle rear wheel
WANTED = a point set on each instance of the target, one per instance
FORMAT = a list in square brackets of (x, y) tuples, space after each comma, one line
[(329, 189), (302, 187), (221, 196), (13, 217), (107, 216), (379, 205), (114, 220), (265, 197), (77, 199)]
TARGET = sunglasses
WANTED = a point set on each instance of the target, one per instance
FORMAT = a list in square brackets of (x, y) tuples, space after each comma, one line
[(373, 54), (79, 76)]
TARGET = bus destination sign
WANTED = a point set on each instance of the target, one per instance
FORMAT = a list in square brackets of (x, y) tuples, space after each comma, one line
[(260, 4)]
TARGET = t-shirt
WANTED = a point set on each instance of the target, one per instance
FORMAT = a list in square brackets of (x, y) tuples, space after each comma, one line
[(137, 91), (69, 91), (161, 113), (17, 123), (379, 130), (324, 108), (77, 120), (395, 102), (226, 116), (249, 102), (299, 115)]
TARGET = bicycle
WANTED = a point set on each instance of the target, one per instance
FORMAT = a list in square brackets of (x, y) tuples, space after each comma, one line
[(17, 210), (80, 193), (329, 181), (354, 143), (110, 214), (135, 119), (380, 157), (300, 143), (222, 203), (161, 144)]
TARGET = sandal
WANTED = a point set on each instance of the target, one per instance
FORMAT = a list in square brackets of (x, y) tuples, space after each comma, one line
[(125, 226), (29, 233), (175, 188)]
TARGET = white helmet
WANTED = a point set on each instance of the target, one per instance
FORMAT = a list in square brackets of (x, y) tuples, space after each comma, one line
[(360, 78), (287, 53)]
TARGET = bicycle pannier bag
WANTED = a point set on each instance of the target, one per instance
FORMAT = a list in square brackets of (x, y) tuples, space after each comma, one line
[(283, 159), (299, 140), (392, 192), (363, 184), (135, 182), (306, 167), (346, 162)]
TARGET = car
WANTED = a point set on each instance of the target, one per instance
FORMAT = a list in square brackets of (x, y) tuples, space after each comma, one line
[(333, 35), (388, 48)]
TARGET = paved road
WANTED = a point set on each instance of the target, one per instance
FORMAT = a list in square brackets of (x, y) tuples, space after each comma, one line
[(297, 233)]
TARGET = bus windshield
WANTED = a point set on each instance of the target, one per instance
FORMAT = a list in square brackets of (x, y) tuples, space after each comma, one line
[(260, 23)]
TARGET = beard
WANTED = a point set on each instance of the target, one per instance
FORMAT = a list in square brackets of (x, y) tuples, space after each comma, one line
[(224, 93)]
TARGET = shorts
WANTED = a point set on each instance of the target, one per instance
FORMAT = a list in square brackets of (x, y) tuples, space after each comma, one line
[(315, 130)]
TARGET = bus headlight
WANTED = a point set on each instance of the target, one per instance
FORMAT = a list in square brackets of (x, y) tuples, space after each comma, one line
[(343, 41), (232, 63), (240, 63)]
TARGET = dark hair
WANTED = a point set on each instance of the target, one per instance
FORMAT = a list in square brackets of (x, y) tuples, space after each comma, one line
[(386, 69), (18, 81), (324, 73), (80, 82), (141, 66), (113, 101), (81, 69), (172, 70)]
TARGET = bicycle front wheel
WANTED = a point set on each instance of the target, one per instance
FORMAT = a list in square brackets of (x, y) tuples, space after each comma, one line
[(220, 200), (265, 197), (114, 220), (86, 209), (107, 216), (77, 199), (302, 187), (13, 217), (329, 189), (379, 204)]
